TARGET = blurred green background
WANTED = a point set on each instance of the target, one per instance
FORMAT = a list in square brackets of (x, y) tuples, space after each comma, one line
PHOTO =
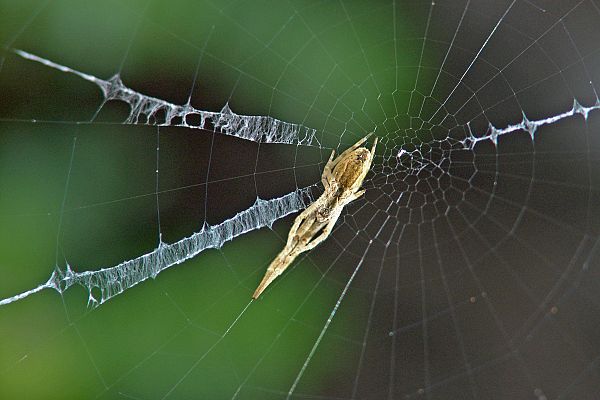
[(331, 67)]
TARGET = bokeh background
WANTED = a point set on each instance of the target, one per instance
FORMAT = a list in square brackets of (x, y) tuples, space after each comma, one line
[(499, 300)]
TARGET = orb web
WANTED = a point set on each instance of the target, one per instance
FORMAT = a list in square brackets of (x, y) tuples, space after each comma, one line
[(189, 136)]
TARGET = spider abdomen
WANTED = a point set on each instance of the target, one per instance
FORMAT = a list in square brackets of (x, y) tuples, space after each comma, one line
[(350, 170)]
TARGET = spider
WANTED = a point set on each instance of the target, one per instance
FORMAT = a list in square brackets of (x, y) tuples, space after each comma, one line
[(341, 178)]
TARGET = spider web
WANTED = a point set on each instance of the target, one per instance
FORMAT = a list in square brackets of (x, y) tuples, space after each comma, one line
[(142, 136)]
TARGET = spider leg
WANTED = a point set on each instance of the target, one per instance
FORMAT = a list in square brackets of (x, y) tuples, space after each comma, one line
[(304, 226), (373, 149), (324, 234), (276, 268), (367, 168), (371, 157), (355, 196), (293, 234), (351, 148), (328, 171)]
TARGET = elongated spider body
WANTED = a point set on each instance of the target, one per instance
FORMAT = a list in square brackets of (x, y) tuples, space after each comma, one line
[(342, 178)]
